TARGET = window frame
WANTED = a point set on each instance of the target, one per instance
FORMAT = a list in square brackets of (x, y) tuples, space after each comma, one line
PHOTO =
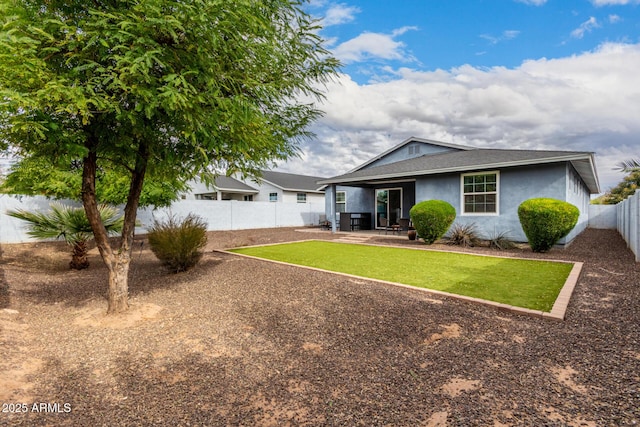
[(273, 197), (342, 203), (496, 192), (301, 197)]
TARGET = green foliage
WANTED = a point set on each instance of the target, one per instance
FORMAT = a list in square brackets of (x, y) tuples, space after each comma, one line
[(157, 88), (66, 222), (545, 221), (62, 179), (178, 243), (71, 225), (627, 187), (432, 218), (465, 235), (201, 83)]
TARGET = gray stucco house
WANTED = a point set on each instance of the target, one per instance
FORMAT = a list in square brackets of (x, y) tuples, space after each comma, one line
[(485, 186)]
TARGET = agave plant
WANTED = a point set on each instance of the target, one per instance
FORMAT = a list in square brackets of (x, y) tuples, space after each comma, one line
[(71, 225)]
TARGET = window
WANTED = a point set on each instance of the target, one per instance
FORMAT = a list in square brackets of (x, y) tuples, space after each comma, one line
[(248, 198), (480, 193), (341, 201), (273, 197), (301, 197)]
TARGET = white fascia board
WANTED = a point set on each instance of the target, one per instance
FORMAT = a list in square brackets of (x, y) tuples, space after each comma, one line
[(458, 169)]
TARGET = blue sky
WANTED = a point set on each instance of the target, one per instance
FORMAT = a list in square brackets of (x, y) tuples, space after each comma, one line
[(431, 35), (534, 74)]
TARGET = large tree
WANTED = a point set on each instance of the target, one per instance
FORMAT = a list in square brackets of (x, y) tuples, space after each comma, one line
[(161, 87)]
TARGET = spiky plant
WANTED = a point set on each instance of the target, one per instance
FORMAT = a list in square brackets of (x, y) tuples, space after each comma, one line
[(632, 165), (463, 235), (501, 241), (71, 225)]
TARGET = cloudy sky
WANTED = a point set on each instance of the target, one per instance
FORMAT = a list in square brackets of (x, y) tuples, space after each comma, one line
[(531, 74)]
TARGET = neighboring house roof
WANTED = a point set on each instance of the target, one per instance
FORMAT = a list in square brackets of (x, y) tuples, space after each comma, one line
[(469, 160), (293, 182), (232, 185), (406, 142)]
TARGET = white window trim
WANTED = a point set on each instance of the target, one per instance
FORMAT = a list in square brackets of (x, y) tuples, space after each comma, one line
[(298, 199), (275, 199), (341, 203), (497, 212)]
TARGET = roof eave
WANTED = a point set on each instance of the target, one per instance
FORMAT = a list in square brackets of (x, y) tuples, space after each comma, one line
[(383, 177)]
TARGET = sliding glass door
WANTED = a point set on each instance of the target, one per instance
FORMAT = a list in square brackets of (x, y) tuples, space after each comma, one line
[(388, 205)]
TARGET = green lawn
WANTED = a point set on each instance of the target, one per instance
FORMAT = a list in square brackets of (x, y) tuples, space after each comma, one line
[(523, 283)]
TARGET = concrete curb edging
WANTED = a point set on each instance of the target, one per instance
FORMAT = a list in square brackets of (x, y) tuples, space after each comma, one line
[(558, 311)]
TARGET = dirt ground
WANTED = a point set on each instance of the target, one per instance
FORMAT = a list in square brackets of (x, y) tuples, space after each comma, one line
[(237, 341)]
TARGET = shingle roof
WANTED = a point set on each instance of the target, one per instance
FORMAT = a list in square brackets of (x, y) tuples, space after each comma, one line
[(470, 160), (231, 185), (293, 182)]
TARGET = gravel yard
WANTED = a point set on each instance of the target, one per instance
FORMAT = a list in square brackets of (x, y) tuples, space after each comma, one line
[(237, 341)]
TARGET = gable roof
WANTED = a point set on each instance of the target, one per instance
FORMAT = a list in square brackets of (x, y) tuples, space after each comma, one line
[(293, 182), (228, 184), (471, 160), (406, 142)]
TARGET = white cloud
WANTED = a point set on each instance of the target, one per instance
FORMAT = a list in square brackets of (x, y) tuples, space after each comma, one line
[(373, 46), (613, 2), (506, 35), (585, 27), (338, 14), (586, 102), (613, 19), (532, 2)]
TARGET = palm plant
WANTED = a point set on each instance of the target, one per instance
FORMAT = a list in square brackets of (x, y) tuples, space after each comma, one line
[(70, 224), (632, 165)]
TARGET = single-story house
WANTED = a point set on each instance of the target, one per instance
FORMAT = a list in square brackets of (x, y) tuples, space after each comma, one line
[(288, 188), (272, 187), (485, 186), (224, 188)]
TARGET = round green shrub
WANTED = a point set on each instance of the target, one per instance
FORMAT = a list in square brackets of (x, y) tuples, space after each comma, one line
[(177, 243), (545, 221), (432, 218)]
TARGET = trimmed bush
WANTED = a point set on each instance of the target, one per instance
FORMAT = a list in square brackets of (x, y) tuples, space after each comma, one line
[(545, 221), (177, 243), (432, 218)]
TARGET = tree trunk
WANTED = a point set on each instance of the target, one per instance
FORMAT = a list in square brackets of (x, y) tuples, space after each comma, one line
[(119, 283), (79, 259), (117, 262)]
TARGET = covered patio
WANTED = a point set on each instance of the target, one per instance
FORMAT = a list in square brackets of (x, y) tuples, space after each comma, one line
[(378, 205)]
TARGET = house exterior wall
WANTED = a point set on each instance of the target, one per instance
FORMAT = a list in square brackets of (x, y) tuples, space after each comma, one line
[(264, 189), (292, 197), (357, 199), (409, 151), (515, 186), (578, 195)]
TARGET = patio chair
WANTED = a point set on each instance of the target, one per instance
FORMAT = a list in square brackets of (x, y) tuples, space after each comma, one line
[(324, 223), (384, 223), (404, 224)]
